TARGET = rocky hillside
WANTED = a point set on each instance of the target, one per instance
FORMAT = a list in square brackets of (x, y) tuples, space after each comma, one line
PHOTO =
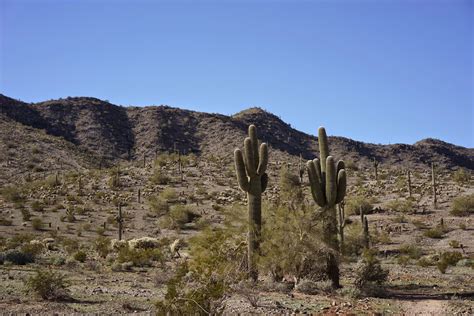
[(97, 131)]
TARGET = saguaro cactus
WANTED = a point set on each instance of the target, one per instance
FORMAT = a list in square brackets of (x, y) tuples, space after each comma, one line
[(250, 168), (409, 182), (342, 224), (119, 219), (328, 187), (433, 179), (376, 165)]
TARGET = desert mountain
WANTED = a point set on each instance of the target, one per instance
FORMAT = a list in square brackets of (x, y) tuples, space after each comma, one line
[(79, 131)]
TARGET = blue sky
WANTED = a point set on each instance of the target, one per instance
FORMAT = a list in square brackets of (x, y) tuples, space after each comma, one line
[(376, 71)]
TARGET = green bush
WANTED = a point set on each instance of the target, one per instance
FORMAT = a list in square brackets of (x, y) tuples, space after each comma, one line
[(80, 256), (36, 206), (11, 194), (37, 223), (353, 239), (424, 262), (169, 194), (217, 262), (403, 206), (355, 203), (463, 205), (448, 258), (159, 177), (435, 233), (49, 285), (177, 218), (16, 257), (461, 176), (102, 246), (159, 206), (139, 257), (369, 271), (412, 251)]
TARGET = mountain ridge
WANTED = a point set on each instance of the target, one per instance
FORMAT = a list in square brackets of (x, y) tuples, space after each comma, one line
[(114, 132)]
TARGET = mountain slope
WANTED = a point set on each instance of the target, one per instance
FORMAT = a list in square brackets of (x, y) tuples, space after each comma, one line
[(111, 132)]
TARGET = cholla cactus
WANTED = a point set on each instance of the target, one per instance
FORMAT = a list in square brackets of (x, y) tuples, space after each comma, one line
[(328, 187), (250, 168)]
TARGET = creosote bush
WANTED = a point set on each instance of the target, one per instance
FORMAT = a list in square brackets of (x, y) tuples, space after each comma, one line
[(218, 261), (463, 205), (49, 285), (402, 206), (11, 194), (159, 177), (369, 272), (355, 203), (461, 176), (177, 217)]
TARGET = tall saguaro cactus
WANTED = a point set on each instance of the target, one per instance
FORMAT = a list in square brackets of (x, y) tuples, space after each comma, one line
[(328, 187), (250, 168)]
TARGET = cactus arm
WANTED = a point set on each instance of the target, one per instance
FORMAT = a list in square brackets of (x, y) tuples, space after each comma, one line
[(340, 165), (253, 138), (341, 185), (240, 170), (249, 157), (320, 176), (323, 147), (315, 184), (331, 184), (262, 166), (264, 182)]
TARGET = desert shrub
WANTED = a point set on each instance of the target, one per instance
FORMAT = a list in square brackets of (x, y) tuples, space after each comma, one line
[(403, 260), (403, 206), (18, 240), (412, 251), (461, 176), (37, 223), (139, 257), (353, 239), (33, 248), (380, 237), (451, 257), (463, 205), (217, 262), (49, 285), (159, 177), (12, 194), (162, 159), (102, 246), (435, 233), (114, 178), (177, 218), (25, 213), (369, 271), (401, 218), (442, 266), (355, 203), (37, 206), (448, 258), (17, 257), (80, 256), (311, 287), (424, 262), (158, 205), (168, 194), (70, 245)]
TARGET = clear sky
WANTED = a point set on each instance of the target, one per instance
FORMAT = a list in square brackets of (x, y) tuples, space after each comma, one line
[(376, 71)]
